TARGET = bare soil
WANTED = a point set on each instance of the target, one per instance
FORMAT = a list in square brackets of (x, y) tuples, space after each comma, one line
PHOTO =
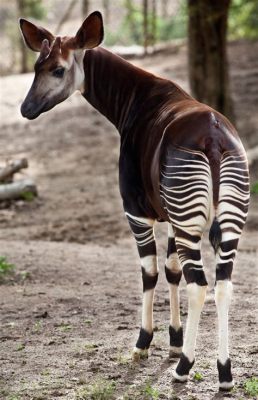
[(71, 312)]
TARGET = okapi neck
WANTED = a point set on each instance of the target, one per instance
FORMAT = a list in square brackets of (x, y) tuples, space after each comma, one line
[(112, 85)]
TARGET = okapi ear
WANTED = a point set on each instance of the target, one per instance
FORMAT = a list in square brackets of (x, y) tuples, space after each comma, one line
[(34, 35), (91, 32)]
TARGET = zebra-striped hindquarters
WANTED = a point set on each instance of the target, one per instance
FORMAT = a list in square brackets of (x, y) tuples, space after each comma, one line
[(187, 193)]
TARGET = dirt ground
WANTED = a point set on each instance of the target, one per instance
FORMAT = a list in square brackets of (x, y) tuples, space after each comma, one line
[(70, 315)]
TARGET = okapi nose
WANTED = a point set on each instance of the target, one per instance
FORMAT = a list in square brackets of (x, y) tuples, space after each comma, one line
[(28, 109)]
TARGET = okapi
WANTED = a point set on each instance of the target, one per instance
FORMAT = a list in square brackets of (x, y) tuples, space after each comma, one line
[(180, 162)]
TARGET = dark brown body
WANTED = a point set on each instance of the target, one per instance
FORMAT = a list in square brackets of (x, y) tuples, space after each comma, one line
[(152, 114)]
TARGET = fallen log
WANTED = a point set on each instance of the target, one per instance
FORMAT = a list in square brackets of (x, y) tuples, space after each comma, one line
[(7, 172), (23, 189)]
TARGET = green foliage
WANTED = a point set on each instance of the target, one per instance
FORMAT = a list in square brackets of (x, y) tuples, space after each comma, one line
[(243, 19), (100, 390), (25, 275), (130, 30), (33, 8), (5, 267), (91, 347), (150, 392), (198, 376), (251, 386), (144, 392), (37, 326), (254, 188), (242, 23), (174, 27), (28, 196), (65, 327), (13, 397), (20, 347)]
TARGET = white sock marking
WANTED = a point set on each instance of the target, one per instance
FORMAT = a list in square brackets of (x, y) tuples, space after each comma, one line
[(196, 297), (223, 294)]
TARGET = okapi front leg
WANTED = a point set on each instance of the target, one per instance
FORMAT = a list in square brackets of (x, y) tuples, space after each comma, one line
[(142, 229), (173, 274), (196, 290)]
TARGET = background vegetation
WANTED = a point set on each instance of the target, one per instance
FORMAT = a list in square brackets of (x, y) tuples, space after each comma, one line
[(128, 22)]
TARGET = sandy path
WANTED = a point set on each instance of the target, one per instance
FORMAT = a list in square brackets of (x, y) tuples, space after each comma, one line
[(92, 298)]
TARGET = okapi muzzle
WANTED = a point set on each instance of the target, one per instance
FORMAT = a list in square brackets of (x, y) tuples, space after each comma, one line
[(180, 161), (35, 104)]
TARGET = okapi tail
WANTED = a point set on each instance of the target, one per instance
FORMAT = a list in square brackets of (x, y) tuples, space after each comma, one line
[(214, 157), (215, 235)]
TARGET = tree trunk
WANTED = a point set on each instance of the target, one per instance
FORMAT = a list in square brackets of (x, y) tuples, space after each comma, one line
[(153, 22), (145, 26), (164, 11), (130, 15), (208, 65), (106, 11), (65, 16), (23, 48), (85, 8)]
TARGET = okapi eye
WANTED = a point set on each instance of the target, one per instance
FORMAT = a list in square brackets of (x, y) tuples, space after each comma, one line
[(59, 72)]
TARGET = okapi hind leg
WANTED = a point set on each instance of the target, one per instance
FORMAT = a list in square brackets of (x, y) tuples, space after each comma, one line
[(173, 272), (224, 236), (143, 231), (186, 191)]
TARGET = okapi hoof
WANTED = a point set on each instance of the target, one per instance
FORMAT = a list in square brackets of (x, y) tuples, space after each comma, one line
[(226, 381), (179, 378), (175, 352), (226, 386), (139, 354), (183, 368), (143, 343)]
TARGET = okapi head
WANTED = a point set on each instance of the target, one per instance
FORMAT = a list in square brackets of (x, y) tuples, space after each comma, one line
[(59, 68)]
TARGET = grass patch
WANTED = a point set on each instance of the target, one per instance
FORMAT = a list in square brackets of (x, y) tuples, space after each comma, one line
[(28, 196), (251, 386), (149, 392), (254, 188), (91, 347), (123, 359), (65, 327), (25, 275), (198, 376), (100, 390), (20, 347), (37, 326), (159, 328), (45, 372), (5, 268)]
